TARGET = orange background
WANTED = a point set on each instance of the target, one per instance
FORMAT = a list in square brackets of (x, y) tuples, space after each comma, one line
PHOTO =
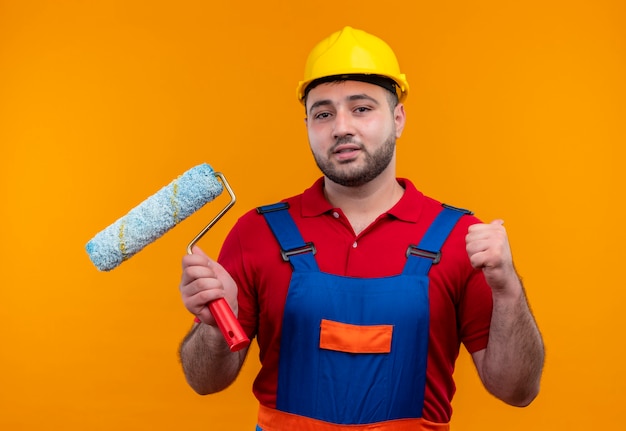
[(516, 111)]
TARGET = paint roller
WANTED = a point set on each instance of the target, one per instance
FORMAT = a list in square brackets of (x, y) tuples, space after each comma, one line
[(151, 219)]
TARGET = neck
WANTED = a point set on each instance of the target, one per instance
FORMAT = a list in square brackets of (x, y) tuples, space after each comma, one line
[(364, 204)]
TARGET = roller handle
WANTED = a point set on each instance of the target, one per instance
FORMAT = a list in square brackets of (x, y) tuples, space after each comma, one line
[(229, 325), (223, 315)]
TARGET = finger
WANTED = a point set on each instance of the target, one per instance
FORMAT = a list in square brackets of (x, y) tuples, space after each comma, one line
[(195, 270), (205, 316), (217, 268), (202, 284), (486, 227), (200, 295), (196, 299), (196, 250), (202, 312), (477, 246), (483, 231), (477, 260), (196, 265), (197, 257), (194, 260), (198, 268), (484, 259)]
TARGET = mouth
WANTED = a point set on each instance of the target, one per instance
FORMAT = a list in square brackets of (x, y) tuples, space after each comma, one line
[(346, 153), (346, 148)]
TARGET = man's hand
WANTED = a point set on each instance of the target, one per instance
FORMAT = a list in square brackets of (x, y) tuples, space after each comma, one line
[(204, 280), (488, 249)]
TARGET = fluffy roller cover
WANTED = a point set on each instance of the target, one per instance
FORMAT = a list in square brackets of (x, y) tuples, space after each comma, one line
[(155, 216)]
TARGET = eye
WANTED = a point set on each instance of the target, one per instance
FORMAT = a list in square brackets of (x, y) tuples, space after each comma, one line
[(321, 115), (362, 109)]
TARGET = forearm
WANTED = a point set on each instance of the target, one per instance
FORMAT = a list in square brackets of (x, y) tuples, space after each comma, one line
[(513, 360), (207, 362)]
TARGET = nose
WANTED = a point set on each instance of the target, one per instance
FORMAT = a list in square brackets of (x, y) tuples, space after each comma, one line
[(343, 125)]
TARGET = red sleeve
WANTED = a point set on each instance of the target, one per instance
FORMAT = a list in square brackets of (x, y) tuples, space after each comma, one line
[(475, 310), (474, 303)]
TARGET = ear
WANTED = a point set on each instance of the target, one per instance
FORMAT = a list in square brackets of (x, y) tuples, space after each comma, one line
[(399, 117)]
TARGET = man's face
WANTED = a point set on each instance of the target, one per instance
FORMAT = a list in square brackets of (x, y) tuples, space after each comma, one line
[(352, 130)]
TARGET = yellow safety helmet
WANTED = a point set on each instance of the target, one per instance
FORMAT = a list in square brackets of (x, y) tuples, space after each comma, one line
[(352, 52)]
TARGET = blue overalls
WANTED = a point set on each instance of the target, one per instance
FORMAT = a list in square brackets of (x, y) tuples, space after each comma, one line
[(353, 351)]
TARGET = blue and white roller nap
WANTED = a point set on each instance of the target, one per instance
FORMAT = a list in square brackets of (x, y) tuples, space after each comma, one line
[(151, 219)]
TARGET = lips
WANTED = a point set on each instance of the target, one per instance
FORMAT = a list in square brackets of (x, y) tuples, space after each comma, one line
[(346, 148), (346, 153)]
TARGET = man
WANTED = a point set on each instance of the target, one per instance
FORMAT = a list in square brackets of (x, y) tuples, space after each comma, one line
[(361, 289)]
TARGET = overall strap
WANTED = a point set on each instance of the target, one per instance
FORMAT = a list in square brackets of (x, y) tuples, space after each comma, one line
[(293, 249), (421, 257)]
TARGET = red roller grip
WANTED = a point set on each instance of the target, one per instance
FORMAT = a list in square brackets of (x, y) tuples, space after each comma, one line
[(229, 325)]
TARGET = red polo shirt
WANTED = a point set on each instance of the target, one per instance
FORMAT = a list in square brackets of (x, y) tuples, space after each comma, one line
[(460, 299)]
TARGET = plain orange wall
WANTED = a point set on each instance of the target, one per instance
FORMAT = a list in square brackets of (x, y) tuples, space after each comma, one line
[(516, 110)]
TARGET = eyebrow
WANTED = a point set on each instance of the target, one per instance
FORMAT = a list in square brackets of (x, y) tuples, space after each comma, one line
[(352, 98)]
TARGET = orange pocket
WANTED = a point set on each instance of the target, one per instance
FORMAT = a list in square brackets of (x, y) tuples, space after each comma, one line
[(348, 338)]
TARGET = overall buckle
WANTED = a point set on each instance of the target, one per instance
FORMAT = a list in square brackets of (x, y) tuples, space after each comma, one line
[(414, 250), (309, 247)]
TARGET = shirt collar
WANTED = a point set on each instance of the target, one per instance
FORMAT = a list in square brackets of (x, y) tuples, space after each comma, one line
[(408, 208)]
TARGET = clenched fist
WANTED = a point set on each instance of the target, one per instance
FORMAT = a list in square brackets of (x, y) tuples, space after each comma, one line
[(488, 249)]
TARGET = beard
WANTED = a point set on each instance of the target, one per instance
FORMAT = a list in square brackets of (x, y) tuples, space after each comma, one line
[(345, 175)]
